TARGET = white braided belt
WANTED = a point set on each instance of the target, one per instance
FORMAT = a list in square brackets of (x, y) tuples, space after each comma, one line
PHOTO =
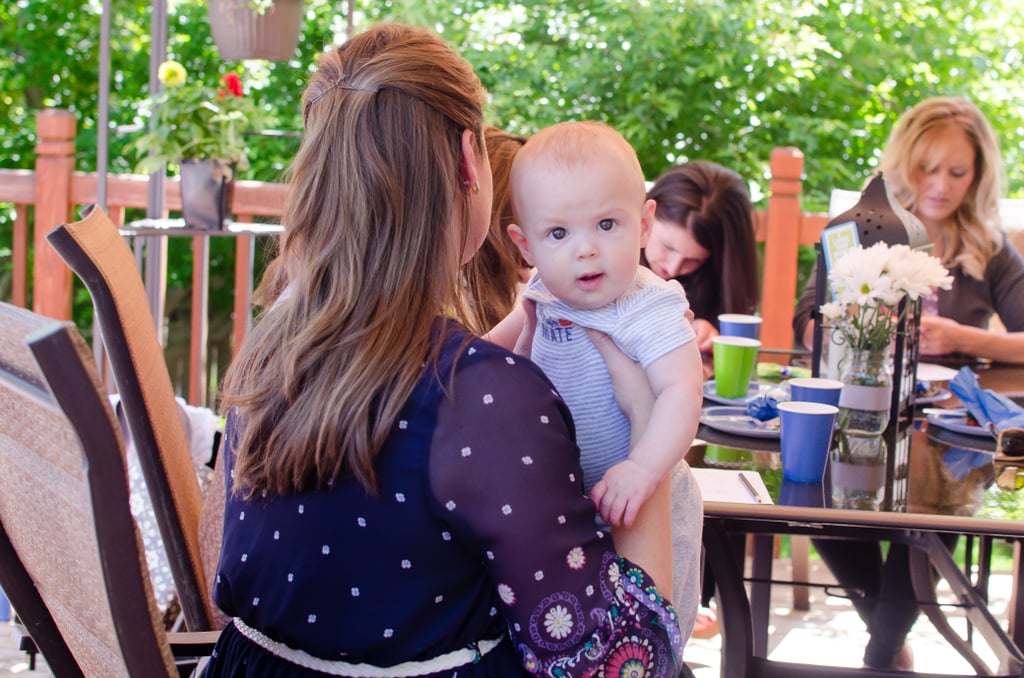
[(444, 662)]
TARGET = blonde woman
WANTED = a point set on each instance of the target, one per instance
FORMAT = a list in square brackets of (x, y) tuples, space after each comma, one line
[(403, 498), (943, 164)]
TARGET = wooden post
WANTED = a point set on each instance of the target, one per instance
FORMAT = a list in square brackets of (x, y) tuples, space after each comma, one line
[(55, 161), (778, 286)]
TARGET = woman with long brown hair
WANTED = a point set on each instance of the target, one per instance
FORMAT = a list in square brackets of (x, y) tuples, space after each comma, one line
[(404, 498)]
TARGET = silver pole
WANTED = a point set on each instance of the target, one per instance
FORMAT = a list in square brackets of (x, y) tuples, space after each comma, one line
[(103, 122), (156, 246)]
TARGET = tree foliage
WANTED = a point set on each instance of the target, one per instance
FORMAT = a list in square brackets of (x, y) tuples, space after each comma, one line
[(682, 79), (723, 80)]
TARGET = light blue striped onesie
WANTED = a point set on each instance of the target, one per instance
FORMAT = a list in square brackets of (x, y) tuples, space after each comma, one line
[(646, 323)]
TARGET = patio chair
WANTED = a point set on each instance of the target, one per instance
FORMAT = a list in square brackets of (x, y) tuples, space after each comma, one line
[(94, 249), (70, 554)]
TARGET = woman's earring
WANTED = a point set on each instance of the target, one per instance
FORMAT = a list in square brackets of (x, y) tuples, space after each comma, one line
[(474, 188)]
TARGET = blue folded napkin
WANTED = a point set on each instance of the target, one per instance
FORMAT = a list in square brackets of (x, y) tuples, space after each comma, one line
[(961, 462), (995, 412), (763, 408)]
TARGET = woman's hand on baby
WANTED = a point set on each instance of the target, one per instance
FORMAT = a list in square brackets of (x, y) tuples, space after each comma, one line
[(622, 491), (629, 381), (705, 332), (524, 344)]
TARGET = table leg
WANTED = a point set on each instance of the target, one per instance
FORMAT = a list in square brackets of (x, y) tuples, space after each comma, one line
[(927, 552), (761, 590), (733, 608), (1016, 603)]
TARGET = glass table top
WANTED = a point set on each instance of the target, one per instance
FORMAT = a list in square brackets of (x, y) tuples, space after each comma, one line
[(951, 472)]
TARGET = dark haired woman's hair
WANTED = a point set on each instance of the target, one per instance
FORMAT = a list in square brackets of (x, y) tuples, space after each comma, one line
[(492, 275), (712, 203), (376, 223)]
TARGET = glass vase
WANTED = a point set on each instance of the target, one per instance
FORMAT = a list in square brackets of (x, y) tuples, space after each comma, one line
[(858, 458), (867, 392)]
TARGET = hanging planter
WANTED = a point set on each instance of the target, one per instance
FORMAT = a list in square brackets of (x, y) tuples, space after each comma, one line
[(207, 187), (255, 29)]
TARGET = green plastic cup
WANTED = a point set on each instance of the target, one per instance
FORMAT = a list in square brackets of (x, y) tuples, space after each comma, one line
[(727, 457), (734, 359)]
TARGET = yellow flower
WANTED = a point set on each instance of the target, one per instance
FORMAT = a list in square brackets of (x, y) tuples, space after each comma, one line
[(171, 73)]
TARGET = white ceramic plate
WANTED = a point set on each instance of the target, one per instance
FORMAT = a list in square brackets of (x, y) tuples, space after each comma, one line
[(736, 421), (956, 420), (752, 392), (933, 372)]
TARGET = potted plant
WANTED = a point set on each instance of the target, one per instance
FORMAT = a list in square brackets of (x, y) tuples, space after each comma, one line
[(255, 29), (199, 129)]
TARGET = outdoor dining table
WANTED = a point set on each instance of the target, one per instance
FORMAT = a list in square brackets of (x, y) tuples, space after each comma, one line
[(951, 488)]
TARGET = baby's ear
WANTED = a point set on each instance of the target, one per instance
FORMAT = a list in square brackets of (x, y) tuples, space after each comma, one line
[(519, 238), (646, 221)]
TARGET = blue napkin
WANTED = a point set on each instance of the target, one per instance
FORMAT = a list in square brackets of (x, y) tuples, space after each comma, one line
[(994, 412), (763, 408), (961, 461)]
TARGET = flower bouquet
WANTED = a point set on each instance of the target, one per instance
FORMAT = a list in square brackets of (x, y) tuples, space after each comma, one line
[(868, 285)]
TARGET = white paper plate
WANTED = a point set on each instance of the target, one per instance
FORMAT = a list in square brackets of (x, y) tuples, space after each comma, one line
[(932, 372), (736, 421), (956, 420), (752, 392)]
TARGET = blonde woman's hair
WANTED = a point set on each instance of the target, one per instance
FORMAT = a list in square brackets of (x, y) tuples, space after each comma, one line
[(376, 222), (917, 139)]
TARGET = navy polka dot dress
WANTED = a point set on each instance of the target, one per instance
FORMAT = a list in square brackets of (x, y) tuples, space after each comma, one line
[(479, 531)]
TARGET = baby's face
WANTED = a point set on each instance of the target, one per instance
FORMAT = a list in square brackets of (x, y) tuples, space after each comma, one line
[(583, 228)]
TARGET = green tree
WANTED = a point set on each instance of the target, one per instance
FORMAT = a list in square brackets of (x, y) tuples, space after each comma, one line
[(682, 79)]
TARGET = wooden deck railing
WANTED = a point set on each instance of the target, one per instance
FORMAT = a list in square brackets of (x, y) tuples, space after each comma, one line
[(51, 194)]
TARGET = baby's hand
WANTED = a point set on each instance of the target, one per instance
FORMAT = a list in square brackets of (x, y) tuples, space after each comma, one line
[(622, 491)]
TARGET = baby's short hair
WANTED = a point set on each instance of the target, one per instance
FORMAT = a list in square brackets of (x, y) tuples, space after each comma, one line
[(571, 144)]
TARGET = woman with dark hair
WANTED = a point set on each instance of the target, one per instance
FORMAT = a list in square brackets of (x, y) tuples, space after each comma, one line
[(703, 236)]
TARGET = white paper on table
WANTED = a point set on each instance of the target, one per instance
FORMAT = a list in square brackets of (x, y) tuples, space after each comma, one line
[(719, 484)]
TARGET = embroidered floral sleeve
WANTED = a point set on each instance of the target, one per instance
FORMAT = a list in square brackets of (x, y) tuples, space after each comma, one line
[(506, 474)]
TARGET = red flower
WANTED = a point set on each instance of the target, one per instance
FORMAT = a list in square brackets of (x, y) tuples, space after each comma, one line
[(232, 85)]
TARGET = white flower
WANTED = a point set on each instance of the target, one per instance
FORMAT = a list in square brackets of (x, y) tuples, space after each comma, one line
[(868, 285), (832, 310), (576, 558), (558, 622), (506, 594)]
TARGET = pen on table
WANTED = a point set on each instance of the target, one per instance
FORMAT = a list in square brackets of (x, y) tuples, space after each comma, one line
[(750, 488)]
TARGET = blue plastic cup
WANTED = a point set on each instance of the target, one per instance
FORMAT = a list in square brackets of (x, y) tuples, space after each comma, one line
[(792, 493), (806, 431), (815, 390), (739, 325)]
